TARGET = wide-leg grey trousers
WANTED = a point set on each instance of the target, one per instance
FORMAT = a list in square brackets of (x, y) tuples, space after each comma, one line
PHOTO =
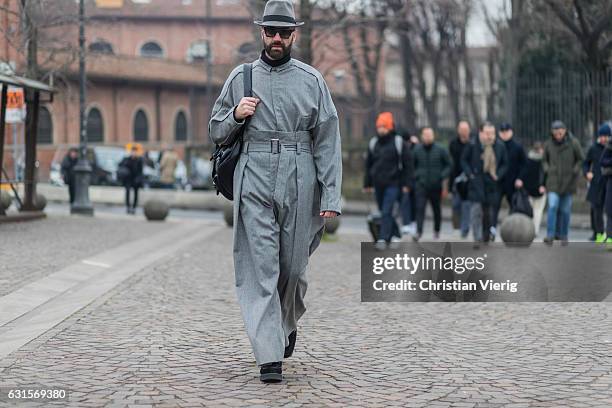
[(277, 227)]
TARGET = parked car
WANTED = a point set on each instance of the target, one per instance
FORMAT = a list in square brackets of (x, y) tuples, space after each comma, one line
[(151, 171), (104, 161), (200, 176)]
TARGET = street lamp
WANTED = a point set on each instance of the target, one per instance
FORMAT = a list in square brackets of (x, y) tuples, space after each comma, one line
[(82, 170)]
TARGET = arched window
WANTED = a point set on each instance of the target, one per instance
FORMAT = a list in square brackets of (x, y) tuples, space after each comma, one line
[(101, 47), (180, 127), (151, 49), (45, 126), (95, 126), (141, 126)]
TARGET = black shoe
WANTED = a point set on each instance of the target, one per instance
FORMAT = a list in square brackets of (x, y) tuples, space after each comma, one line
[(271, 372), (548, 240), (291, 346)]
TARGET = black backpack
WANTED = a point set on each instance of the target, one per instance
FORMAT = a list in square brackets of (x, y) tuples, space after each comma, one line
[(225, 158)]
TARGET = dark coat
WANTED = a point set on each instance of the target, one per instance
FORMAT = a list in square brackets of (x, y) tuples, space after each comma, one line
[(134, 177), (482, 188), (382, 165), (597, 186), (606, 167), (516, 161), (562, 164), (533, 176), (432, 165), (67, 169), (456, 151)]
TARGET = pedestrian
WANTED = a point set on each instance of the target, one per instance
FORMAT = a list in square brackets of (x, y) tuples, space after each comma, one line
[(484, 162), (460, 203), (407, 200), (167, 168), (388, 173), (516, 161), (591, 169), (432, 167), (287, 181), (606, 172), (67, 169), (562, 163), (131, 175), (533, 181)]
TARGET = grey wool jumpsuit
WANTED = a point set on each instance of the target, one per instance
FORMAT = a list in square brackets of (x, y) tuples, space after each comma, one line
[(289, 170)]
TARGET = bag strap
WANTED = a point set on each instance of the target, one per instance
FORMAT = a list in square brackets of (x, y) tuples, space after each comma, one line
[(247, 71), (399, 146), (247, 78)]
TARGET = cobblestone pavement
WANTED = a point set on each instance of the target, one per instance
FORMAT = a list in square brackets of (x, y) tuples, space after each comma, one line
[(31, 250), (172, 336)]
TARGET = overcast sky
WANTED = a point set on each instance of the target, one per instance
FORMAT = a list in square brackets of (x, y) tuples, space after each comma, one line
[(478, 33)]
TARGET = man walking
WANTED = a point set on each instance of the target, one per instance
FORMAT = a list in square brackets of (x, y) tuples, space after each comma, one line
[(389, 172), (287, 181), (516, 162), (461, 204), (67, 169), (597, 184), (562, 163), (431, 169), (484, 162)]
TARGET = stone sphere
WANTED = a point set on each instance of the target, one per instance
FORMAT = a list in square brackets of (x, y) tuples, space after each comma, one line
[(40, 202), (156, 210), (228, 214), (332, 224), (5, 200), (518, 230)]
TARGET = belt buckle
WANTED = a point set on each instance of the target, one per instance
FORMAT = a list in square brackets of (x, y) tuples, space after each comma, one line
[(278, 147)]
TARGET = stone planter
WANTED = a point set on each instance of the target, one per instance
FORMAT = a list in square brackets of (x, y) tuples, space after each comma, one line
[(156, 210), (228, 214), (332, 225), (5, 200), (518, 230)]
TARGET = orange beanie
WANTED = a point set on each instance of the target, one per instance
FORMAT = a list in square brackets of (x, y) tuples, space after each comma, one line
[(385, 120)]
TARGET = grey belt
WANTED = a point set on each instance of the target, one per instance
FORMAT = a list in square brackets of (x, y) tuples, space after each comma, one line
[(274, 146)]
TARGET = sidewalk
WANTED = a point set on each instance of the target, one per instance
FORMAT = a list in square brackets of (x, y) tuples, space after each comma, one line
[(169, 334), (208, 200)]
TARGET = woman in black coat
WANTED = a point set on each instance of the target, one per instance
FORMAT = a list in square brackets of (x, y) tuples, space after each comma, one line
[(606, 172), (131, 175), (592, 171)]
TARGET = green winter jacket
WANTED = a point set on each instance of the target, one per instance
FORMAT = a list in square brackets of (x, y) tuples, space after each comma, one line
[(431, 166), (562, 164)]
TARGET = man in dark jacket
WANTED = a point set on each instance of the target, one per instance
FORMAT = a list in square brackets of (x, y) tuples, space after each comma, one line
[(432, 167), (562, 163), (606, 172), (484, 162), (532, 179), (130, 170), (461, 204), (388, 172), (516, 161), (591, 169), (67, 169)]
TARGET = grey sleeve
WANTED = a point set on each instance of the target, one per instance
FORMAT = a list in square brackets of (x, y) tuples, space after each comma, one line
[(222, 126), (327, 151)]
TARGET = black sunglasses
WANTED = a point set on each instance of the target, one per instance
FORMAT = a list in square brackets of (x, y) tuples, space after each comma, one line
[(284, 33)]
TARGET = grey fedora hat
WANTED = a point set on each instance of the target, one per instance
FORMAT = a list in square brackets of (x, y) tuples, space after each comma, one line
[(279, 13)]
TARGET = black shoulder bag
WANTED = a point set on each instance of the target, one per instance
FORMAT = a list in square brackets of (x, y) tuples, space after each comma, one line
[(225, 158)]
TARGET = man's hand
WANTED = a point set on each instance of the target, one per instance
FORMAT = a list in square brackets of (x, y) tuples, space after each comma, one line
[(518, 183), (245, 108), (589, 176), (542, 190), (368, 190), (328, 214), (444, 193), (405, 190)]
